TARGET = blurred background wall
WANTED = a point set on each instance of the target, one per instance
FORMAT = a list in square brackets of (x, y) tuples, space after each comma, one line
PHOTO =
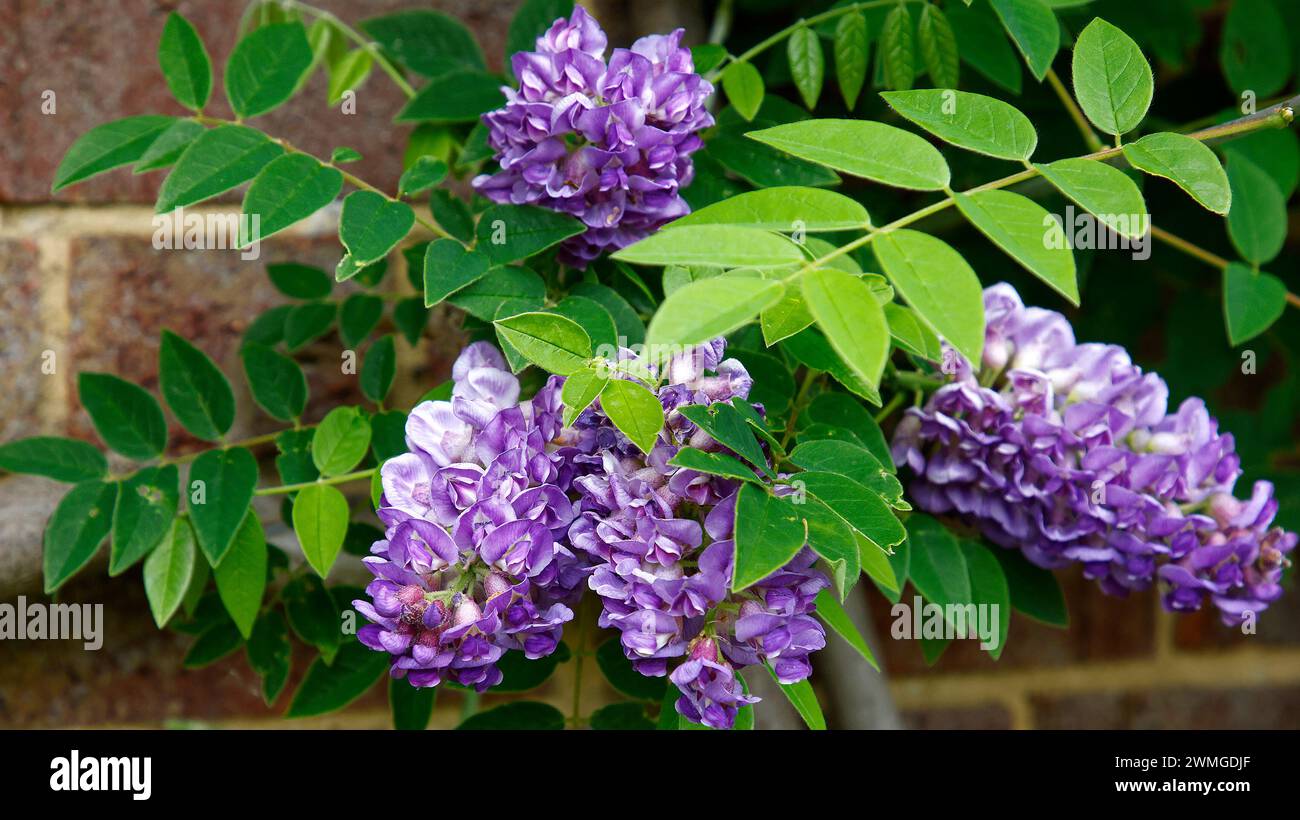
[(81, 278)]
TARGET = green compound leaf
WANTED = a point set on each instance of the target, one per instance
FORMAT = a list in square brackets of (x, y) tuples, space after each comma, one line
[(220, 159), (185, 63), (80, 523), (768, 533), (108, 146), (939, 285), (1112, 79), (552, 342), (871, 150), (975, 122), (634, 410), (265, 68), (320, 520), (125, 415), (1027, 233), (221, 484), (371, 225), (195, 388), (1189, 163)]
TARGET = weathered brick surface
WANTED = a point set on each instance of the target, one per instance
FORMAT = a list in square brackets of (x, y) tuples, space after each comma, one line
[(123, 293), (21, 340), (975, 717), (1101, 627), (1265, 708), (1275, 626), (98, 59)]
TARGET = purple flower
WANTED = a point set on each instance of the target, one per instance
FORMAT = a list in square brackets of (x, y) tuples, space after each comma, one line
[(663, 579), (711, 695), (608, 143), (473, 563), (1067, 452)]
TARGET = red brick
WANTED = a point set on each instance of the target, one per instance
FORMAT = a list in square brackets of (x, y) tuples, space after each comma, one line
[(99, 60), (1264, 708), (975, 717), (22, 340)]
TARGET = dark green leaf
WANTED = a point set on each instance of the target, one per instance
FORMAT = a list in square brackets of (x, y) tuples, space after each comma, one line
[(768, 533), (411, 707), (288, 189), (378, 369), (713, 463), (108, 146), (213, 645), (220, 159), (510, 232), (372, 224), (832, 613), (185, 64), (143, 514), (80, 523), (618, 670), (62, 459), (125, 415), (313, 615), (1034, 591), (621, 717), (359, 315), (328, 687), (429, 43), (195, 388), (217, 506), (1252, 301), (278, 383), (461, 96), (268, 650), (241, 575), (521, 714), (264, 69), (852, 46)]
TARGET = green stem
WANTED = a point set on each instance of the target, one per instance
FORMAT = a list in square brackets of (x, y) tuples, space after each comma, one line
[(248, 442), (800, 400), (807, 21), (337, 479), (918, 381), (1278, 116), (355, 36), (1085, 128), (893, 405), (1208, 257), (352, 179), (579, 654)]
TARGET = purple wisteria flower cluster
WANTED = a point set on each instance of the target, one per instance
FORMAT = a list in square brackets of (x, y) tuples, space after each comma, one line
[(473, 561), (606, 142), (664, 577), (1068, 453)]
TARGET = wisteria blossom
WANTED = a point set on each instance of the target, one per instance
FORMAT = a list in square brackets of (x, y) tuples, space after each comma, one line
[(473, 562), (1069, 453), (659, 538), (607, 141)]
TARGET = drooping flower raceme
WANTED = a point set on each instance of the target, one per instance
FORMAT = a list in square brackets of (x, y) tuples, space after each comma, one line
[(608, 142), (1068, 453), (663, 578), (473, 562)]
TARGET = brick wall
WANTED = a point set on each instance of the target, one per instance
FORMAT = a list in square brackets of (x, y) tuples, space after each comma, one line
[(81, 278)]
